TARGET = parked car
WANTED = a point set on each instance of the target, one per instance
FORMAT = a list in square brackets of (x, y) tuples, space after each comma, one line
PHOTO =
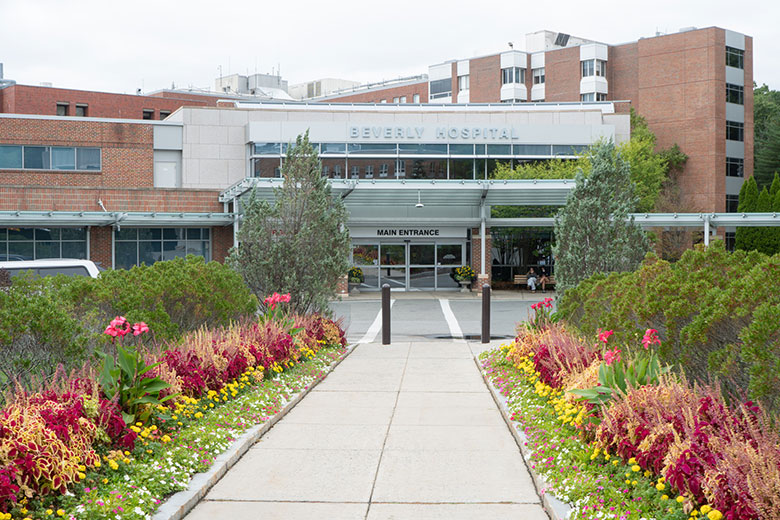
[(51, 267)]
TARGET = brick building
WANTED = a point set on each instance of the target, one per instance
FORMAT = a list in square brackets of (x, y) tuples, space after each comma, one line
[(694, 88)]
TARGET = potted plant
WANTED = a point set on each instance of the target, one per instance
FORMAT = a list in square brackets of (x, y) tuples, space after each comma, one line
[(355, 278), (464, 276)]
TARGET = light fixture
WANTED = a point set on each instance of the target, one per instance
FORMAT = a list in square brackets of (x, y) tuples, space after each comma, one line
[(419, 202)]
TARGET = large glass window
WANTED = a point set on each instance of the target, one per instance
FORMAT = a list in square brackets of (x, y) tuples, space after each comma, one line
[(39, 243), (735, 131), (136, 246), (10, 157), (333, 148), (732, 203), (532, 149), (88, 159), (735, 58), (373, 148), (422, 148), (463, 82), (267, 167), (735, 167), (461, 168), (440, 88), (267, 149), (569, 149), (594, 68), (461, 149), (427, 168), (735, 94)]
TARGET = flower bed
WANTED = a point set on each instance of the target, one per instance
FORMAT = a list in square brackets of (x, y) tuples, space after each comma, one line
[(661, 448), (67, 450)]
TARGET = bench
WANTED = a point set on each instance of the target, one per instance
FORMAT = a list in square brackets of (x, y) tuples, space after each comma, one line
[(522, 281)]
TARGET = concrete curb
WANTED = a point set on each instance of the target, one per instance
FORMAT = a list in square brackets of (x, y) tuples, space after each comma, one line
[(556, 509), (181, 503)]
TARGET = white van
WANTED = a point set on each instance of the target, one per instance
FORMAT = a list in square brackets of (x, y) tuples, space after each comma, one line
[(53, 266)]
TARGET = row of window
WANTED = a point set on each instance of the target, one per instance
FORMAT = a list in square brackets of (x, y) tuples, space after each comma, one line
[(24, 157), (41, 243), (134, 246), (402, 99), (82, 110), (512, 75), (426, 149)]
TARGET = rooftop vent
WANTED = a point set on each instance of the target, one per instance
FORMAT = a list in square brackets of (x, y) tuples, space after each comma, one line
[(562, 39)]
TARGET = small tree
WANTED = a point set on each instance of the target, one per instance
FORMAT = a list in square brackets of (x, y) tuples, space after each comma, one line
[(298, 244), (592, 232)]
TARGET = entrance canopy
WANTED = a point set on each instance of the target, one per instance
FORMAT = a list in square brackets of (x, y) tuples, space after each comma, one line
[(410, 192)]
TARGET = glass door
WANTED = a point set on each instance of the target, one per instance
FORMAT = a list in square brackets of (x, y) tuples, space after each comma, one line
[(393, 266), (422, 267)]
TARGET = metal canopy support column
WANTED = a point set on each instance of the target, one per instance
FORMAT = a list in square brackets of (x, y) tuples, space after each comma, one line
[(706, 230), (236, 207)]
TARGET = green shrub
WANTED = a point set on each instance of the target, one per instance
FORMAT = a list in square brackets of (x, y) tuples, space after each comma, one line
[(48, 321), (716, 313)]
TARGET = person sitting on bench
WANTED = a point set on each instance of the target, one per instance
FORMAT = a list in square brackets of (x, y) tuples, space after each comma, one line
[(531, 279), (543, 279)]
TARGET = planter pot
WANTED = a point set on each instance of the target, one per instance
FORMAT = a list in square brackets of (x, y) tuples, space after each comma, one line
[(354, 288), (464, 285)]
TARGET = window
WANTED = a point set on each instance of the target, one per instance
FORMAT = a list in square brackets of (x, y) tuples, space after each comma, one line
[(594, 68), (40, 243), (416, 98), (337, 171), (134, 246), (63, 158), (325, 171), (383, 170), (591, 96), (36, 157), (164, 114), (10, 157), (81, 110), (403, 99), (735, 58), (383, 101), (463, 83), (538, 76), (355, 172), (369, 171), (267, 149), (732, 202), (440, 88), (62, 109), (735, 94), (400, 168), (512, 75), (735, 131), (600, 96), (395, 100), (148, 114), (735, 167)]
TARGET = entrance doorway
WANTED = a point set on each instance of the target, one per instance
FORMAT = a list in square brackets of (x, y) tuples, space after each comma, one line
[(409, 265)]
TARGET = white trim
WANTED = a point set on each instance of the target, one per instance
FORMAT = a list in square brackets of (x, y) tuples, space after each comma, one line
[(92, 119)]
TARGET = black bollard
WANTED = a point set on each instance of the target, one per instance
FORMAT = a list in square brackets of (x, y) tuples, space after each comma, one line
[(385, 314), (486, 313)]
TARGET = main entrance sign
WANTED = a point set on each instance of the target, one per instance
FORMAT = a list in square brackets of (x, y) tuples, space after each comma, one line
[(407, 232)]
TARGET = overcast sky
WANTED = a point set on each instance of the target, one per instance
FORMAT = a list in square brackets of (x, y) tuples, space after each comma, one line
[(121, 46)]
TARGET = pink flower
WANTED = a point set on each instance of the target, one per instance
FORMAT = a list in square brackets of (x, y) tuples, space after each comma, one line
[(604, 336), (612, 356), (111, 331), (650, 338), (275, 298), (140, 328)]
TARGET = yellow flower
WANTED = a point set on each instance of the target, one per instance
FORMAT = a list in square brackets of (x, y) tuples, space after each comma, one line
[(615, 462), (606, 457), (198, 415), (97, 464), (715, 515), (660, 487), (60, 512), (664, 497), (82, 476), (680, 499), (113, 465), (632, 460), (705, 509), (126, 460), (633, 482), (635, 468), (165, 438), (49, 511)]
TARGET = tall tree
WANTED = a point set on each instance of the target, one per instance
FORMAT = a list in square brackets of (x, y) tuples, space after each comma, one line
[(768, 154), (592, 232), (748, 202), (299, 243)]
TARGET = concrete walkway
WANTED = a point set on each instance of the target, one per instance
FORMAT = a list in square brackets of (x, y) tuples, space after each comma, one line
[(395, 432)]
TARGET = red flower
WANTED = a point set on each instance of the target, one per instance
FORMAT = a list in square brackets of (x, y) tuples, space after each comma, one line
[(650, 338), (140, 328), (275, 298), (612, 356), (604, 336)]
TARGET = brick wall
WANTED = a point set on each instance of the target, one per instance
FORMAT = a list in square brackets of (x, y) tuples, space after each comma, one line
[(26, 99), (562, 75), (221, 242), (485, 79), (376, 96), (127, 151), (100, 245)]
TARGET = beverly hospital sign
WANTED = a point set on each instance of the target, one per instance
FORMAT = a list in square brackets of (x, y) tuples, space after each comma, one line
[(439, 132)]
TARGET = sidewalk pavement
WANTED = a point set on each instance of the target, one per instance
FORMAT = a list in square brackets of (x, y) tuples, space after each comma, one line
[(394, 432), (495, 294)]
